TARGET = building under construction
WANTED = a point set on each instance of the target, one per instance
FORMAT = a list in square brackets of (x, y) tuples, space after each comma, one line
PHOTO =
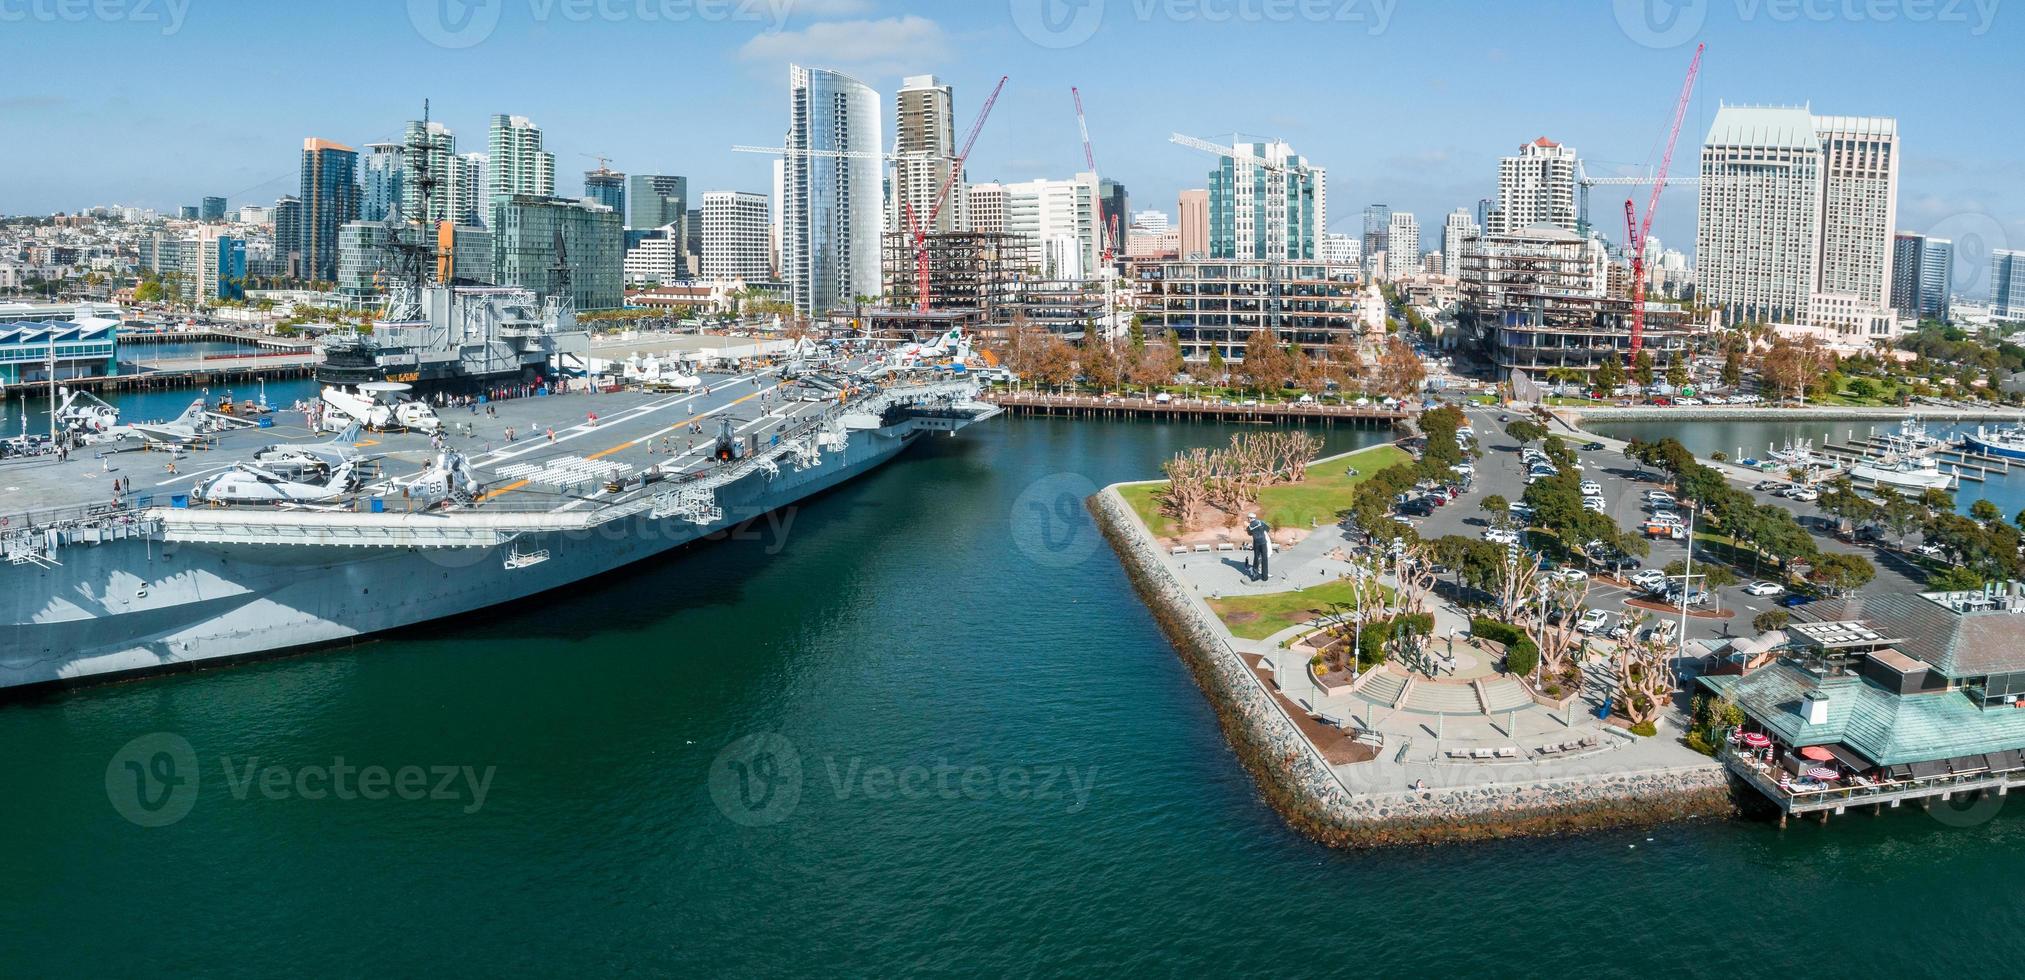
[(967, 270), (1543, 298), (1216, 306)]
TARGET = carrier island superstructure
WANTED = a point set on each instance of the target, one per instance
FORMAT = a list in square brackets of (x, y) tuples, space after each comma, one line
[(263, 539)]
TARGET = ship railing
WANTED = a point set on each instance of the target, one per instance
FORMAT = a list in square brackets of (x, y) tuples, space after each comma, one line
[(128, 510)]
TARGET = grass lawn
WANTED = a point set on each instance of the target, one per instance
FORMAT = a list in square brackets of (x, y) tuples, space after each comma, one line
[(1316, 500), (1255, 617)]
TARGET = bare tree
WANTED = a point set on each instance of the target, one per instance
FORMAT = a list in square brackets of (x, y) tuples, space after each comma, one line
[(1645, 677)]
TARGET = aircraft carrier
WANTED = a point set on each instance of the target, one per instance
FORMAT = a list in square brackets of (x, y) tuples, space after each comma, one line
[(281, 536)]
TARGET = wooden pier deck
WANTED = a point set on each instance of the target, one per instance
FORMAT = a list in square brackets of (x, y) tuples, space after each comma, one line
[(1084, 406)]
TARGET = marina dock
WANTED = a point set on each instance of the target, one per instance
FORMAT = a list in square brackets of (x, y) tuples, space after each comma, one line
[(1090, 406)]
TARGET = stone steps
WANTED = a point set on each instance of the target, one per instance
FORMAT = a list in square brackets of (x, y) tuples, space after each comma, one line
[(1449, 699)]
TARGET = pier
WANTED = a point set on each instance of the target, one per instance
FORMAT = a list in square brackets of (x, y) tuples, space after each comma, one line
[(1094, 406)]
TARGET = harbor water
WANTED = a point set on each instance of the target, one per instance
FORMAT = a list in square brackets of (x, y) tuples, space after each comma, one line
[(984, 758)]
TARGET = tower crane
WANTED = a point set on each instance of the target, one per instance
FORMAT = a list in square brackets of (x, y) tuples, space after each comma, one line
[(915, 233), (1636, 229)]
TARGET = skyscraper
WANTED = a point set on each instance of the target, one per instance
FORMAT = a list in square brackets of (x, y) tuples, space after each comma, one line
[(607, 187), (1265, 202), (735, 229), (1536, 187), (430, 149), (2007, 284), (1114, 204), (288, 235), (1937, 276), (518, 163), (985, 207), (654, 200), (1060, 216), (1377, 219), (213, 209), (330, 198), (1796, 217), (1458, 232), (1757, 243), (924, 131), (382, 179), (1859, 206), (470, 205), (830, 227), (1194, 223), (1905, 272), (1402, 245)]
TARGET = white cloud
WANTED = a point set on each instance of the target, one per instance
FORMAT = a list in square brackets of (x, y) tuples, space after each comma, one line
[(892, 45)]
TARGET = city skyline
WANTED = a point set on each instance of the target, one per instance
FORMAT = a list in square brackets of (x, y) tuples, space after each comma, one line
[(1420, 122)]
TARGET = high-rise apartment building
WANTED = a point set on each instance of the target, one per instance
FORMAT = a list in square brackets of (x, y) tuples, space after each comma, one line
[(381, 180), (1402, 245), (1377, 221), (1859, 206), (1905, 272), (1937, 276), (986, 207), (607, 187), (2007, 284), (429, 157), (470, 204), (735, 228), (924, 145), (832, 207), (518, 163), (1796, 217), (1266, 202), (288, 235), (1536, 187), (1458, 232), (1060, 216), (330, 198), (1194, 214), (221, 263)]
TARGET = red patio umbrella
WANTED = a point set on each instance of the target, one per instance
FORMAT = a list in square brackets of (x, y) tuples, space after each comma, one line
[(1817, 753), (1757, 740), (1823, 774)]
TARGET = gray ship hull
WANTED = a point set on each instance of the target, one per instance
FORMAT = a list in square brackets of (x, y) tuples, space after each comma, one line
[(142, 604)]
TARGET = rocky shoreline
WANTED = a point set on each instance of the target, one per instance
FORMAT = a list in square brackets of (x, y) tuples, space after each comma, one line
[(1297, 782), (1763, 413)]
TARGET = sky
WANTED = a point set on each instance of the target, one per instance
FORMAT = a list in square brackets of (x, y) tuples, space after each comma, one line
[(1410, 103)]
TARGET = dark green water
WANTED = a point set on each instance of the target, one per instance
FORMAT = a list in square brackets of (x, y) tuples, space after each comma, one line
[(942, 612)]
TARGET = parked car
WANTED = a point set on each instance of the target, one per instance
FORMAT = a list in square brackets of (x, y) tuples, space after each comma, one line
[(1501, 535), (1590, 488), (1570, 575), (1805, 495), (1594, 505), (1592, 622), (1933, 551), (1651, 580), (1764, 588), (1593, 447), (1663, 633)]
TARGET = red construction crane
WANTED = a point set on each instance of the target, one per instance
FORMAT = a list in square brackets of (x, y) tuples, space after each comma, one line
[(1104, 221), (1636, 230), (942, 194)]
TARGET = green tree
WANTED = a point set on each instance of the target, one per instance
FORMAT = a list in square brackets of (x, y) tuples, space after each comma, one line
[(1525, 432), (1985, 511), (1955, 578), (1733, 369), (1609, 376), (1498, 507), (1677, 373), (1838, 573), (1641, 369), (1771, 619)]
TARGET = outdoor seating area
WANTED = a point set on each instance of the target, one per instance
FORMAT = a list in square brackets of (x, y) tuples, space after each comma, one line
[(1824, 777), (1573, 745)]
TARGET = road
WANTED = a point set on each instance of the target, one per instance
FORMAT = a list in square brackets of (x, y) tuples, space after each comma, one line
[(1499, 471)]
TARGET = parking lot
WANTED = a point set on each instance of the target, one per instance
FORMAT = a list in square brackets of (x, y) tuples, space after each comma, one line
[(1499, 471)]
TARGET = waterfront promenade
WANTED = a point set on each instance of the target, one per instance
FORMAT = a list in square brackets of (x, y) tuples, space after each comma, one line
[(1112, 406)]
